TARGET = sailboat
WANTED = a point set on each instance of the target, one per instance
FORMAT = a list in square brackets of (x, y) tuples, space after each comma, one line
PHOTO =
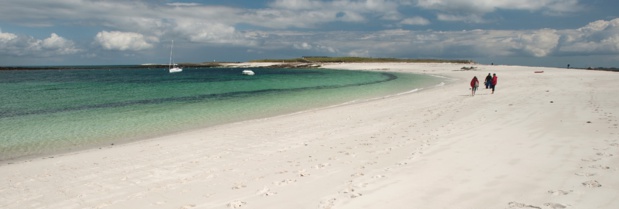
[(173, 68)]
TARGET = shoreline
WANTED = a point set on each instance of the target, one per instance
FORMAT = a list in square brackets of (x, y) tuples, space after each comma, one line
[(543, 140), (104, 144)]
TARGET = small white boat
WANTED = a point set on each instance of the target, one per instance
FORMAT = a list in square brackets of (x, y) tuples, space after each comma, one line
[(176, 69), (248, 72), (173, 68)]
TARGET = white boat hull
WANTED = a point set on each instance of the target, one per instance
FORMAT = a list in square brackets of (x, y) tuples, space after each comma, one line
[(176, 70), (248, 72)]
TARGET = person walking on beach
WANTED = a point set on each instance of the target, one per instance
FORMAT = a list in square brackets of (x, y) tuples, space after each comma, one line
[(488, 81), (474, 85), (494, 81)]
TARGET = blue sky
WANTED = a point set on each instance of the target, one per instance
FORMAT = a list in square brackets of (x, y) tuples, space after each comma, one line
[(515, 32)]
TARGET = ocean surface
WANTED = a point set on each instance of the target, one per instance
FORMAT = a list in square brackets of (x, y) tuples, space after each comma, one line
[(43, 112)]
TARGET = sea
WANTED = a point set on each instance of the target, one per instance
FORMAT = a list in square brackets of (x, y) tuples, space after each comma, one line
[(48, 111)]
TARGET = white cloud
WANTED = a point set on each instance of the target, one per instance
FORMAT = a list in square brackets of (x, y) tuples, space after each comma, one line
[(470, 18), (415, 21), (485, 6), (297, 4), (214, 33), (7, 37), (15, 45), (140, 17), (342, 10), (540, 43), (342, 5), (562, 7), (599, 37), (145, 23), (142, 21), (473, 10), (315, 47), (124, 41), (58, 45), (303, 45)]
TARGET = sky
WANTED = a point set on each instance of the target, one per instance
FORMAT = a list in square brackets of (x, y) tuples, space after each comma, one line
[(552, 33)]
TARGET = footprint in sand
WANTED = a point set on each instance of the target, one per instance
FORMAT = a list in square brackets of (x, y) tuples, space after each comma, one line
[(266, 192), (600, 167), (327, 204), (303, 173), (188, 206), (521, 205), (358, 174), (239, 186), (559, 192), (378, 176), (591, 159), (284, 182), (321, 166), (603, 154), (351, 192), (591, 184), (236, 204), (555, 205)]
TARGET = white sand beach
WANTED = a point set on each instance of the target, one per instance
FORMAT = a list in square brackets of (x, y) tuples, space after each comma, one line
[(542, 140)]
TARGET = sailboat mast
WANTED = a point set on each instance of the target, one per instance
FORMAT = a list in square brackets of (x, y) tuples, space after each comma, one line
[(171, 46)]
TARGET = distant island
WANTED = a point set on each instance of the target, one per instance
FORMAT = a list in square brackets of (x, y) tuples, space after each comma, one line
[(324, 59), (316, 61), (302, 62)]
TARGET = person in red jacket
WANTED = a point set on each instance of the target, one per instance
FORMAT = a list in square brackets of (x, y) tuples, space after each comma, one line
[(494, 81), (474, 85)]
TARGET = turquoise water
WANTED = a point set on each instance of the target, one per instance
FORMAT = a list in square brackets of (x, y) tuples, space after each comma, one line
[(48, 111)]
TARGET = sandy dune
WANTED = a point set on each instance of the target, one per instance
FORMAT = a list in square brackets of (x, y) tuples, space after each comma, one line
[(543, 140)]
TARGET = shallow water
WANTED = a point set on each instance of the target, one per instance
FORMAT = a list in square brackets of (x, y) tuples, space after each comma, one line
[(48, 111)]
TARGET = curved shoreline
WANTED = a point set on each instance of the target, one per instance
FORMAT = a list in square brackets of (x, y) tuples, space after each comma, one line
[(73, 146)]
